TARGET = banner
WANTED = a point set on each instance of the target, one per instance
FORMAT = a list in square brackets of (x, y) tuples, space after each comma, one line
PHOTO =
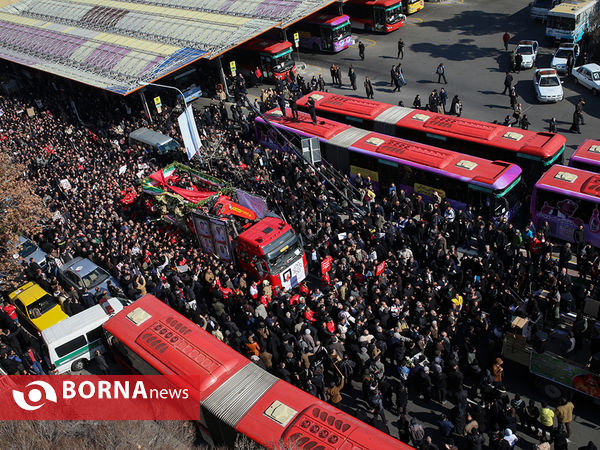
[(380, 268), (565, 373), (189, 132), (253, 202), (326, 264), (92, 397)]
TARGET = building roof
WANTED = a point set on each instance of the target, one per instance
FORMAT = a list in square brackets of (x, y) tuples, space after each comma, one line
[(114, 44)]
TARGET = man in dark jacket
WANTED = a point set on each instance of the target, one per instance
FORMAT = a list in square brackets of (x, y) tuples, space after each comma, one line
[(508, 79), (368, 88), (100, 363)]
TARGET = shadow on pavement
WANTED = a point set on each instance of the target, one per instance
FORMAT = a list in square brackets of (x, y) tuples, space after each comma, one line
[(479, 23), (453, 52)]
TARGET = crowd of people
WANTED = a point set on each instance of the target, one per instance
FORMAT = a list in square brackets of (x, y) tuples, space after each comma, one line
[(428, 328)]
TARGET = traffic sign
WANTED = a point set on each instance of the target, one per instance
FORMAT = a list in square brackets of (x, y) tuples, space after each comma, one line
[(297, 38), (158, 104), (232, 67)]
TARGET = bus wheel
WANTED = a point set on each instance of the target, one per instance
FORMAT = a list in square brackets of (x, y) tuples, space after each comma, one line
[(552, 391), (367, 28), (78, 365), (315, 48)]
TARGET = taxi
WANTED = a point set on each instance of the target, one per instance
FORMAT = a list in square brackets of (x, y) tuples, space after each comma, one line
[(36, 306)]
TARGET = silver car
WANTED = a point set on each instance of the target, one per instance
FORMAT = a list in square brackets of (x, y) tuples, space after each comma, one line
[(85, 276), (28, 250)]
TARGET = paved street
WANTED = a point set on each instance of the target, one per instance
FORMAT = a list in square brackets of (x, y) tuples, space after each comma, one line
[(467, 38)]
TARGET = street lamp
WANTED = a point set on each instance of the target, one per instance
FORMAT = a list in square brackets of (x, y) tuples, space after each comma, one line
[(145, 83), (185, 111)]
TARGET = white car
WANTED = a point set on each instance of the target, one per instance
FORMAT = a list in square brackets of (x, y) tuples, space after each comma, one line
[(588, 75), (528, 50), (561, 55), (548, 86)]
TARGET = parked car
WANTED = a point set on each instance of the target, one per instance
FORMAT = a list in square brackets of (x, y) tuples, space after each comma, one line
[(561, 55), (548, 86), (85, 276), (528, 50), (28, 249), (588, 75), (36, 306)]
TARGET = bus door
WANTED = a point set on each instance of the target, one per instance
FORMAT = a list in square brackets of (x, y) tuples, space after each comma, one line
[(266, 65), (379, 19), (326, 39)]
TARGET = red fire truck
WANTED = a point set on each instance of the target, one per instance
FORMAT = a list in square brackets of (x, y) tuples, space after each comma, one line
[(229, 222)]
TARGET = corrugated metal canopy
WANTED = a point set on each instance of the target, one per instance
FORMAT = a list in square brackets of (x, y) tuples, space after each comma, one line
[(114, 44)]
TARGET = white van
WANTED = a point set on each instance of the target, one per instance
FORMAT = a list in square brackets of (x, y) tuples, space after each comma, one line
[(158, 141), (72, 342)]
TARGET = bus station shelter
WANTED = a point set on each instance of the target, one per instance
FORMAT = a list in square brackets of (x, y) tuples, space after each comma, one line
[(120, 45)]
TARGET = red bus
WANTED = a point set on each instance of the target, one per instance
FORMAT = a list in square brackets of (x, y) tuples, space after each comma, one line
[(235, 395), (273, 58), (587, 156), (383, 16), (493, 186), (533, 151)]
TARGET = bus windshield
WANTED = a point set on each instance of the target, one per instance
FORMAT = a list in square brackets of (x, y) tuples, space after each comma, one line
[(561, 23), (393, 14), (509, 197), (283, 61), (341, 31)]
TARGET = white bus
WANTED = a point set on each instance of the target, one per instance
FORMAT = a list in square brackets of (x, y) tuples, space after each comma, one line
[(72, 342), (569, 20)]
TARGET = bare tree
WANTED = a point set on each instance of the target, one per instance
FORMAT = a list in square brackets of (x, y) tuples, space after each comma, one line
[(21, 212)]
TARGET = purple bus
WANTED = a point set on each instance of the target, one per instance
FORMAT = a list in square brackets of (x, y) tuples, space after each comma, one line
[(587, 156), (494, 187), (324, 32), (566, 197)]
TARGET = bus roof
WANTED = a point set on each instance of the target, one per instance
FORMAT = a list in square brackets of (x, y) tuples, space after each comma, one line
[(577, 182), (267, 46), (359, 107), (384, 3), (572, 7), (324, 129), (537, 144), (466, 167), (588, 151), (184, 350), (327, 19)]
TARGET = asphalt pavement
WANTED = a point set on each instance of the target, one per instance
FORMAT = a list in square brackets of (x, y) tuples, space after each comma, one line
[(467, 37)]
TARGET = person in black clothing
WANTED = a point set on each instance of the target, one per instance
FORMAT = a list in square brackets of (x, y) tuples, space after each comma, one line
[(361, 50), (508, 79), (575, 125), (293, 105), (400, 49), (552, 125), (368, 88), (352, 76), (312, 109), (100, 362), (417, 102)]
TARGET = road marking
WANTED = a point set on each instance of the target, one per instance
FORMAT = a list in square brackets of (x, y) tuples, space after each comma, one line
[(413, 21), (372, 44)]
